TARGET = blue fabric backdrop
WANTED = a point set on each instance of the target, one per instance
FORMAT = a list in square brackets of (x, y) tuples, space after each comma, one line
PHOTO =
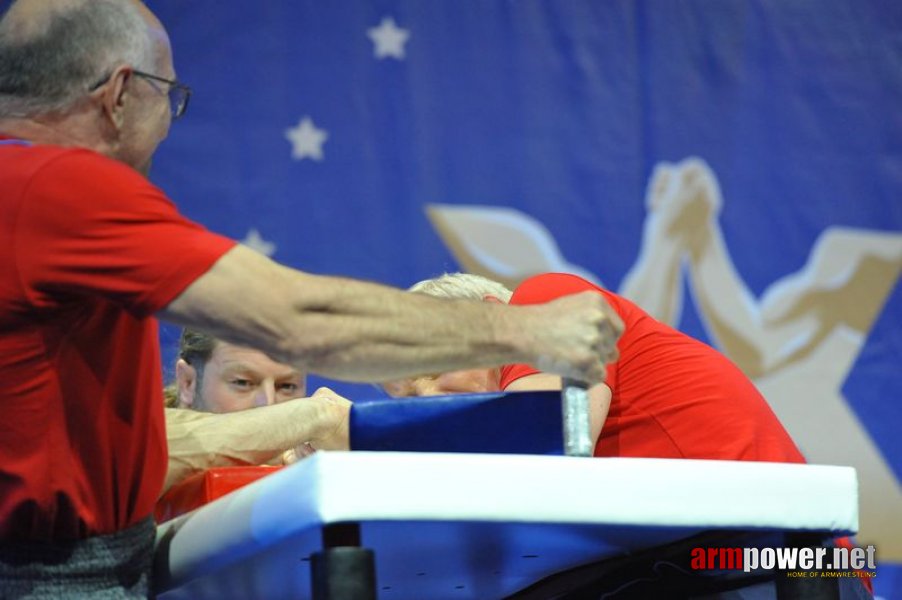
[(562, 111)]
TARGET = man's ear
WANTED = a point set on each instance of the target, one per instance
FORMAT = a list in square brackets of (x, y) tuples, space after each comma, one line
[(493, 299), (186, 383), (114, 95)]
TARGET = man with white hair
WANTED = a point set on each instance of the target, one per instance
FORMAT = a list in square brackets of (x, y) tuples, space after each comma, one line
[(667, 395), (93, 252)]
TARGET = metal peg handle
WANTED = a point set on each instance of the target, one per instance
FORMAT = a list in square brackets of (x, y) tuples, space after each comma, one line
[(577, 428)]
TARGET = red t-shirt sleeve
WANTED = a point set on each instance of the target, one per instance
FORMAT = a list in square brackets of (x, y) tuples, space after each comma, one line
[(93, 226), (538, 290)]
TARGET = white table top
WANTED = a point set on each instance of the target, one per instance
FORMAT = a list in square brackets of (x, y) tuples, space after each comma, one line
[(482, 525)]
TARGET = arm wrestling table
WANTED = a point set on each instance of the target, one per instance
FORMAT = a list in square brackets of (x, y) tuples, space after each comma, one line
[(479, 523)]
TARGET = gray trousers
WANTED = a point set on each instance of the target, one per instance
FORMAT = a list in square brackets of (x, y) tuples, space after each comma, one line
[(108, 566)]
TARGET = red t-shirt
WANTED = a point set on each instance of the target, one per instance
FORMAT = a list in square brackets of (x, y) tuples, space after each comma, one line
[(91, 250), (672, 396)]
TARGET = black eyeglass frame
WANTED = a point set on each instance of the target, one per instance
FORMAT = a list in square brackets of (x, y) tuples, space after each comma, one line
[(179, 93)]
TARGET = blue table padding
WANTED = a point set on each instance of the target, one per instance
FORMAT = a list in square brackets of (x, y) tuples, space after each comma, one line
[(509, 423)]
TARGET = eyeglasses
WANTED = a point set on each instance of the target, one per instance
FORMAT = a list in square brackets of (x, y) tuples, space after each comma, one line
[(179, 93)]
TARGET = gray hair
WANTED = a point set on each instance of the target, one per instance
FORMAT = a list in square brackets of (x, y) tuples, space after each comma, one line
[(195, 348), (49, 67), (462, 285)]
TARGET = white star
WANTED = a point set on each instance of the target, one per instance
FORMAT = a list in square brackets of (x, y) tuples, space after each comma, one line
[(389, 39), (306, 140), (255, 241)]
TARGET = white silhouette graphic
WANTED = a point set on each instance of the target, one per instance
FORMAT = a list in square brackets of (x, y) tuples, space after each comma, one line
[(501, 243), (798, 341)]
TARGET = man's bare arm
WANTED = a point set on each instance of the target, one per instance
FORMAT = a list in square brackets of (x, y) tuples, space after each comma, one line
[(361, 331), (599, 397), (199, 440)]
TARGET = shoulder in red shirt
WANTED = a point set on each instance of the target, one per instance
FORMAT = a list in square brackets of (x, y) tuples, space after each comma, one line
[(672, 395)]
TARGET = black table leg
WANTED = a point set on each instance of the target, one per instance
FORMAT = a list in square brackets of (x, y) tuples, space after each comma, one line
[(343, 570)]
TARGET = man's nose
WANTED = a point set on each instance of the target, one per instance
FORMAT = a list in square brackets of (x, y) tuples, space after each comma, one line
[(266, 395)]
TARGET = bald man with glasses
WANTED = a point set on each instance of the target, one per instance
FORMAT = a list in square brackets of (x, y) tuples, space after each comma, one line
[(93, 252)]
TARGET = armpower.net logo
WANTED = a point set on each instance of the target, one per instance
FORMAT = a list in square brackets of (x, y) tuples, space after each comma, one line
[(795, 562)]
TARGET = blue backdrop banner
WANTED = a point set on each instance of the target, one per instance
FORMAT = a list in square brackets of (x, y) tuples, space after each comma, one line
[(735, 167)]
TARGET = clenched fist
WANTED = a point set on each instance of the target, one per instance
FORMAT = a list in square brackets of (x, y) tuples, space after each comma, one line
[(575, 336), (331, 426)]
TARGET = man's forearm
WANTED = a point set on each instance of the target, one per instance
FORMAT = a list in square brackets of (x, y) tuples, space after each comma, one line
[(371, 332), (199, 441), (361, 331), (350, 329)]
